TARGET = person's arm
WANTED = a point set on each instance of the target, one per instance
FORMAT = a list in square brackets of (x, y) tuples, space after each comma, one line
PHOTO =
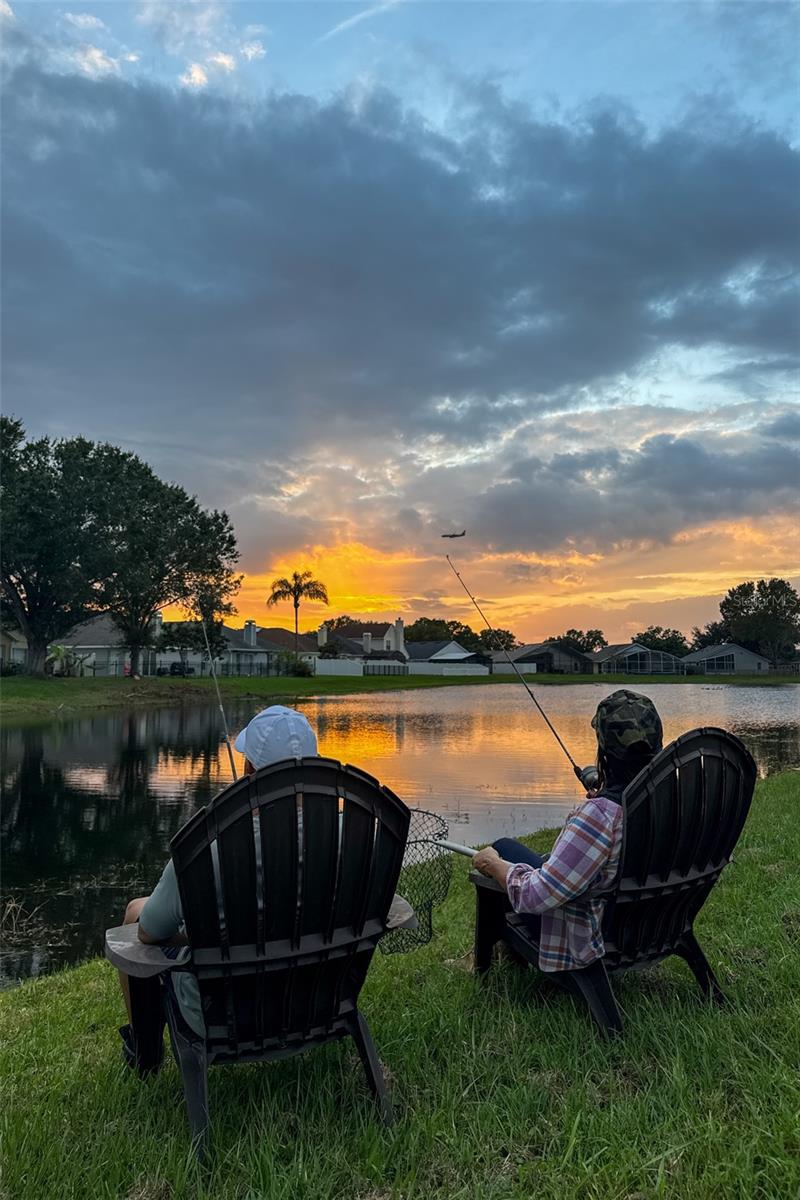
[(580, 853), (161, 918)]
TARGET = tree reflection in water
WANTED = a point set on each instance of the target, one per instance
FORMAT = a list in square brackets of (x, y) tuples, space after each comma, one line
[(89, 805)]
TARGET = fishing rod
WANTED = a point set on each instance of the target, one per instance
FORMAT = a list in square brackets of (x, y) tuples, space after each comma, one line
[(582, 773), (219, 701)]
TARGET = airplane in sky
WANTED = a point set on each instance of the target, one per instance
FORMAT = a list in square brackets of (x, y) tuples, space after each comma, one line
[(454, 535)]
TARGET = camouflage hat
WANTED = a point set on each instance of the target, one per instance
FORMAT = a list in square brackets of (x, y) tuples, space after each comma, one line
[(627, 725)]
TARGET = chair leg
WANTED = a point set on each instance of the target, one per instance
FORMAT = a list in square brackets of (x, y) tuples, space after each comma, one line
[(490, 925), (193, 1063), (593, 985), (690, 951), (372, 1067)]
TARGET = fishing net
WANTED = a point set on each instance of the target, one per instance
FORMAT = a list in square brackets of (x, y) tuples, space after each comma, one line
[(424, 880)]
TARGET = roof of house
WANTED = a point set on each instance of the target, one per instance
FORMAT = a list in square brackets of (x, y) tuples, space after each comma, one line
[(611, 651), (235, 641), (622, 650), (422, 651), (345, 645), (14, 635), (376, 628), (99, 631), (722, 648), (536, 648), (277, 638)]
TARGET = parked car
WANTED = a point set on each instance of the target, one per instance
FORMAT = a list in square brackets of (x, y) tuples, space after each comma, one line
[(178, 668)]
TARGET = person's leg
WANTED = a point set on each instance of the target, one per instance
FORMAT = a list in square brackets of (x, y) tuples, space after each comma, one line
[(514, 852), (130, 918), (143, 1037)]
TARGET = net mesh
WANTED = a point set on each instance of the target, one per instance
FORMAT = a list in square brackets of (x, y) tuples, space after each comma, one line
[(424, 880)]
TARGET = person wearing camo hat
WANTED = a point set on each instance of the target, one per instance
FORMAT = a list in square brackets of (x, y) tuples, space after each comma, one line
[(586, 852)]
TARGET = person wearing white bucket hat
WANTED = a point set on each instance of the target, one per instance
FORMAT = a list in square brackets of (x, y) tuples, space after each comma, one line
[(274, 734)]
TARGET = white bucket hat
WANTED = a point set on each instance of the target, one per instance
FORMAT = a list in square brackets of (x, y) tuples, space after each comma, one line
[(274, 734)]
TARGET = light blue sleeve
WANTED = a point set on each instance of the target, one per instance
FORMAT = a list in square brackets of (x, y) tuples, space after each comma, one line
[(162, 916)]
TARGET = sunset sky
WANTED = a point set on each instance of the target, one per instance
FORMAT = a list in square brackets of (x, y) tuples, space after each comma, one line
[(363, 274)]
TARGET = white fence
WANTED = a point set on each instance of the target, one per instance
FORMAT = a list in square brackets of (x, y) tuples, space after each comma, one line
[(354, 666), (440, 668), (339, 666), (505, 668)]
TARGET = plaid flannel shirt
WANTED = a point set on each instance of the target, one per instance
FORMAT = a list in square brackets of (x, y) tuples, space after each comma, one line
[(585, 855)]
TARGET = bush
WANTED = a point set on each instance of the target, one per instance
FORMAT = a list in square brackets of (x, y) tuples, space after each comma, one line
[(291, 664), (10, 668)]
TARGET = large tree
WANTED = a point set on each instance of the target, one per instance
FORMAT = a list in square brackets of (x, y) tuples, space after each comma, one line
[(428, 629), (301, 586), (766, 613), (576, 639), (161, 548), (496, 639), (52, 560), (668, 641)]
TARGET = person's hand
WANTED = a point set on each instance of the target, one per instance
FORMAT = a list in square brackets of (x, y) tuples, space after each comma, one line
[(485, 860)]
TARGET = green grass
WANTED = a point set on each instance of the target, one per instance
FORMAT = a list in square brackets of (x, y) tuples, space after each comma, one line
[(22, 697), (503, 1090)]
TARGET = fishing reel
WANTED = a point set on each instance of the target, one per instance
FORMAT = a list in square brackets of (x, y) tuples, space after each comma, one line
[(589, 776)]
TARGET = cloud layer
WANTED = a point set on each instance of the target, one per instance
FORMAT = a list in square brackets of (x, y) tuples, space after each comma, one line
[(348, 325)]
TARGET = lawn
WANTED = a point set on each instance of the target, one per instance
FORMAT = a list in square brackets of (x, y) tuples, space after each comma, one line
[(503, 1090), (22, 697)]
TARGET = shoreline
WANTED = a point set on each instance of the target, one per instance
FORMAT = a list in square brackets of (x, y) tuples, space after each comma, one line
[(23, 699), (498, 1086)]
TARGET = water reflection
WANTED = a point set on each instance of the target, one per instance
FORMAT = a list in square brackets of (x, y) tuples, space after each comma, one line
[(90, 804)]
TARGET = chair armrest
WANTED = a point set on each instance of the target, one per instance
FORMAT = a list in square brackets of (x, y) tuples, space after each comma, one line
[(401, 915), (142, 960), (483, 881)]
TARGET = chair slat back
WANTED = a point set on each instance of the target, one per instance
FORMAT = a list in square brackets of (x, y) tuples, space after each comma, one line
[(683, 815), (286, 881)]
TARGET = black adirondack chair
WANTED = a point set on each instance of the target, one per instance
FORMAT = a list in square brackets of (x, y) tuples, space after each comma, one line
[(682, 817), (286, 881)]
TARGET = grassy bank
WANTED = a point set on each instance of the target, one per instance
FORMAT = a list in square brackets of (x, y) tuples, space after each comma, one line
[(503, 1090), (21, 697)]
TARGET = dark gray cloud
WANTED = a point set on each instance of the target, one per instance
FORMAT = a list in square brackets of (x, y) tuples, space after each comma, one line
[(233, 285), (615, 497), (786, 427)]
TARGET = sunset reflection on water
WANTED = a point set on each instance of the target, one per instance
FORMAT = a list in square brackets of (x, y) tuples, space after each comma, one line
[(90, 804)]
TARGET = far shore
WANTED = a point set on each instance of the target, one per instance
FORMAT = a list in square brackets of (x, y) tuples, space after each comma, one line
[(26, 699)]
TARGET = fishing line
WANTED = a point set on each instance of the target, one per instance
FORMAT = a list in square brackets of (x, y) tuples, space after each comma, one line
[(578, 771), (219, 702)]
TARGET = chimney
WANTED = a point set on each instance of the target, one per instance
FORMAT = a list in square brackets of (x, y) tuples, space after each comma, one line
[(249, 632), (367, 643), (399, 639), (156, 624), (322, 636)]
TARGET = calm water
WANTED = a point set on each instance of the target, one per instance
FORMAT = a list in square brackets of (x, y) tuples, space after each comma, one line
[(90, 805)]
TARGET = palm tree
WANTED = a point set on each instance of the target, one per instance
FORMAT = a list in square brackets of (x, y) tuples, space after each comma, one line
[(301, 586)]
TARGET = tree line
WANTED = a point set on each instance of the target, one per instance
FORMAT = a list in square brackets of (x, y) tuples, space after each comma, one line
[(89, 528), (762, 616)]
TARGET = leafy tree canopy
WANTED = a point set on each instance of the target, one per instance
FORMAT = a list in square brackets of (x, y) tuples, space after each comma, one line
[(496, 639), (576, 639), (669, 641), (766, 613), (89, 528)]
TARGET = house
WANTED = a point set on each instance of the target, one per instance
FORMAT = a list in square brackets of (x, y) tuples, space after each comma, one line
[(548, 657), (726, 659), (631, 658), (278, 640), (352, 641), (439, 652), (99, 648), (13, 648)]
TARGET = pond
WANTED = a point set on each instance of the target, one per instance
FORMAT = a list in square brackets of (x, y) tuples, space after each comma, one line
[(89, 805)]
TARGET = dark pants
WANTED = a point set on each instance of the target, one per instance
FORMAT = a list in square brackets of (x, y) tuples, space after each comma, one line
[(515, 852), (147, 1022)]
